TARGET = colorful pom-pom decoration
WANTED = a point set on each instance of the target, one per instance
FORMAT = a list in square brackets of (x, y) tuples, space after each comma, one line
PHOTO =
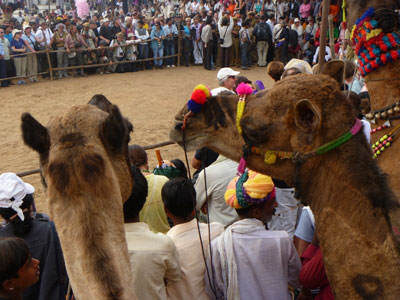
[(244, 89), (194, 106), (199, 97), (204, 89)]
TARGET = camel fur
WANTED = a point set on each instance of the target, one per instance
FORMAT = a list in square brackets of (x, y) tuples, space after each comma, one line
[(346, 190), (85, 168)]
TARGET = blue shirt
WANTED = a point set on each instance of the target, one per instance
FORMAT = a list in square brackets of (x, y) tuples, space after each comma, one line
[(1, 49), (172, 29), (17, 45), (8, 37)]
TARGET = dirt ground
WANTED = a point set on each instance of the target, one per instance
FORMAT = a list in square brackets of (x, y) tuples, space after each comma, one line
[(150, 99)]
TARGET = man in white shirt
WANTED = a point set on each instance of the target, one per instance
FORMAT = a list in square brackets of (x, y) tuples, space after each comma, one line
[(44, 37), (249, 261), (179, 199), (142, 34), (226, 80), (154, 258), (218, 176)]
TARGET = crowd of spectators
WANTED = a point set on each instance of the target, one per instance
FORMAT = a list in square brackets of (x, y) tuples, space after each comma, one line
[(210, 33)]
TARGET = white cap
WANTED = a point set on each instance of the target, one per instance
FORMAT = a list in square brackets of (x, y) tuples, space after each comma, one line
[(12, 191), (226, 72), (296, 20), (15, 31)]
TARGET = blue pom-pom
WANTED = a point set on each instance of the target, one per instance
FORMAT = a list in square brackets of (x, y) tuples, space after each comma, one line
[(193, 106)]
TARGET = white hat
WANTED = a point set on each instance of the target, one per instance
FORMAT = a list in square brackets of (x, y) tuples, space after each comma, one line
[(296, 20), (12, 192), (226, 72), (15, 31), (26, 26)]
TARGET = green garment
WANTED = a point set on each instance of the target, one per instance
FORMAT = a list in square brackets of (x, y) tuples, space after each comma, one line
[(153, 213)]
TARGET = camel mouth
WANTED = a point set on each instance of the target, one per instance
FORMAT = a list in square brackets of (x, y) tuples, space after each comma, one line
[(190, 142)]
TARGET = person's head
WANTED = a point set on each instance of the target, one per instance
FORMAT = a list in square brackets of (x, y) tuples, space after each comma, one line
[(136, 200), (138, 156), (120, 36), (263, 18), (179, 197), (27, 30), (290, 72), (297, 22), (224, 21), (73, 29), (246, 23), (226, 78), (18, 270), (43, 25), (1, 32), (240, 79), (188, 21), (275, 70), (350, 70), (16, 33), (208, 20), (140, 24), (365, 104), (169, 21), (252, 195), (310, 20), (179, 165), (16, 198)]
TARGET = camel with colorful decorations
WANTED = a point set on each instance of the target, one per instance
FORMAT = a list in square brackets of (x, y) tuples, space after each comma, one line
[(376, 40), (85, 169), (290, 133)]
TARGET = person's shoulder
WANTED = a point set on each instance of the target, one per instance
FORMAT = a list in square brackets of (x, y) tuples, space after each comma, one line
[(164, 241)]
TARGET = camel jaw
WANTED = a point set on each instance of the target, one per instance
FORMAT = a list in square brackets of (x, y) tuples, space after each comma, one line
[(192, 140)]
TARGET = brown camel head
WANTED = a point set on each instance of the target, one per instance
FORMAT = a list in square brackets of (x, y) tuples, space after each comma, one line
[(387, 20), (213, 127), (76, 148)]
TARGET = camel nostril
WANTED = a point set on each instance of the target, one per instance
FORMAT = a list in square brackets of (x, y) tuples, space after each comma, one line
[(178, 126)]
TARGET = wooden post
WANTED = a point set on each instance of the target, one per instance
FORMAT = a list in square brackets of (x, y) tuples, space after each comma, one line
[(322, 36), (179, 48), (331, 37), (49, 61)]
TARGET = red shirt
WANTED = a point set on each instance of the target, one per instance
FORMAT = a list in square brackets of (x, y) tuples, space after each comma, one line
[(312, 274)]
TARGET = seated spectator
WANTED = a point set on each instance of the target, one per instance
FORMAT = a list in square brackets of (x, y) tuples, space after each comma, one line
[(18, 269), (74, 44), (16, 198), (154, 258), (275, 69), (179, 199), (246, 251), (211, 199), (104, 56), (119, 52), (153, 213), (226, 79)]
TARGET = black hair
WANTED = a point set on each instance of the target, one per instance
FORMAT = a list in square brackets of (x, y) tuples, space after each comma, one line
[(14, 254), (208, 20), (181, 167), (136, 200), (246, 22), (179, 197), (225, 21), (137, 156), (20, 228)]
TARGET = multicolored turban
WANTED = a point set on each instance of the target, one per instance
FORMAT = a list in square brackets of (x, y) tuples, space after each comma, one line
[(249, 189)]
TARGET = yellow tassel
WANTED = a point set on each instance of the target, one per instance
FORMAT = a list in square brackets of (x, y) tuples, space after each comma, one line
[(373, 33), (344, 10), (240, 111), (270, 157)]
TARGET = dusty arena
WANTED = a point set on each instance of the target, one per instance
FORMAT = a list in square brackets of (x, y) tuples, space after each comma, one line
[(150, 99)]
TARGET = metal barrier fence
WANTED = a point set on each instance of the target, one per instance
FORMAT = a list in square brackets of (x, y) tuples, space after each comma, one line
[(52, 69), (148, 147)]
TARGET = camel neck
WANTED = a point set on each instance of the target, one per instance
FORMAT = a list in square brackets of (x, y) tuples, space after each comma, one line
[(384, 85)]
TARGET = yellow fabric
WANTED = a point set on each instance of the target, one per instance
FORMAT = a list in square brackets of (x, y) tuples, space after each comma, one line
[(153, 213), (257, 186)]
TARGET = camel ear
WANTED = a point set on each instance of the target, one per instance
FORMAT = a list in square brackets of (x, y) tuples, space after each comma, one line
[(101, 102), (115, 133), (34, 134), (307, 116), (334, 69)]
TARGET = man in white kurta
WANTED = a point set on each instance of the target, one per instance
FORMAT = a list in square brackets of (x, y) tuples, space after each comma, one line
[(179, 198), (249, 261)]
